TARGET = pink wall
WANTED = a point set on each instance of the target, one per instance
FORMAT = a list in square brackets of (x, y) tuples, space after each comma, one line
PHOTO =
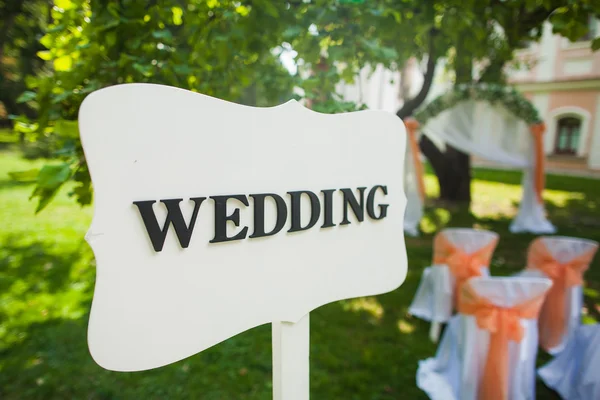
[(565, 54)]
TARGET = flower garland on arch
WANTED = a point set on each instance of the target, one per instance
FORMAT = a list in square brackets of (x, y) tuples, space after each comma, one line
[(507, 96)]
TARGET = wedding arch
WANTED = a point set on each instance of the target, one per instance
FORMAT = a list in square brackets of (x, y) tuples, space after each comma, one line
[(492, 122)]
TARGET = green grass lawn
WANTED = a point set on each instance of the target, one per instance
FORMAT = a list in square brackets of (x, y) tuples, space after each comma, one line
[(365, 348)]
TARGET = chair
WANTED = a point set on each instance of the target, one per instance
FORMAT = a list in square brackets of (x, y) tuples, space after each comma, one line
[(564, 260), (458, 254), (574, 372), (488, 350)]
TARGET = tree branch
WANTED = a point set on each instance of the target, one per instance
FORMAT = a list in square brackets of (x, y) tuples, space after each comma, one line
[(411, 105)]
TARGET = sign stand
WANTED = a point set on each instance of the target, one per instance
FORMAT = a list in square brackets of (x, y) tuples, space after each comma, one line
[(291, 352)]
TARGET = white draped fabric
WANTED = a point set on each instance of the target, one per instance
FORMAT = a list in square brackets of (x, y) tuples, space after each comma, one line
[(433, 300), (574, 373), (435, 295), (490, 131), (456, 370), (414, 205), (531, 216)]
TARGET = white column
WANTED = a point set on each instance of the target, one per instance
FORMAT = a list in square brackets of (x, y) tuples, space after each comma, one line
[(594, 154), (546, 54)]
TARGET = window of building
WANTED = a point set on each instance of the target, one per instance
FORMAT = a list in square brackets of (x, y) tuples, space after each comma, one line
[(568, 133)]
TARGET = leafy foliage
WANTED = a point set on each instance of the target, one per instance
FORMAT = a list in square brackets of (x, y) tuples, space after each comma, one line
[(506, 96), (231, 49), (219, 47), (21, 24)]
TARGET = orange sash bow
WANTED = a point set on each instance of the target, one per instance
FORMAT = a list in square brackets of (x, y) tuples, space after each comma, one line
[(462, 265), (504, 324), (553, 317), (411, 128)]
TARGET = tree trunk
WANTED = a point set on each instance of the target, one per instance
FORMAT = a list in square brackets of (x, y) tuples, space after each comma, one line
[(459, 163), (452, 167)]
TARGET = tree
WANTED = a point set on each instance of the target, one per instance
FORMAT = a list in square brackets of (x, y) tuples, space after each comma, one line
[(229, 49), (21, 24), (353, 34), (498, 28), (221, 48)]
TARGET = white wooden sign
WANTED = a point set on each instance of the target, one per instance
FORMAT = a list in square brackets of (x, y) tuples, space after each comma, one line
[(212, 218)]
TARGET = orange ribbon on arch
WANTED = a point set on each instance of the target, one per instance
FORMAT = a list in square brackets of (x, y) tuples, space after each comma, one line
[(537, 130), (553, 317), (412, 125), (504, 325), (461, 264)]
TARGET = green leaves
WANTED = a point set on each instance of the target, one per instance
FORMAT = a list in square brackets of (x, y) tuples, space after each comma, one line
[(144, 69), (49, 181), (218, 47), (510, 98), (177, 15), (24, 176), (52, 176), (292, 32), (64, 63), (26, 96), (67, 129), (242, 10), (44, 55), (64, 4), (163, 34), (231, 50), (596, 44)]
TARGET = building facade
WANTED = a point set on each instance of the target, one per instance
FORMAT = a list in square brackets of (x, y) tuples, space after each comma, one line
[(562, 79)]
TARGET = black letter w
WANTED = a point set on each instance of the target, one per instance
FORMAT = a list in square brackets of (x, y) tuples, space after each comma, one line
[(174, 216)]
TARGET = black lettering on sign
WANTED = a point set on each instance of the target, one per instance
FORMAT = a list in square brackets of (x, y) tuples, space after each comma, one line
[(350, 200), (174, 216), (315, 210), (221, 218), (371, 203), (259, 214), (357, 208), (327, 208)]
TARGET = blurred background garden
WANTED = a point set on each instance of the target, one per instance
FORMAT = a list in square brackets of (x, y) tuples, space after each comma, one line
[(263, 53)]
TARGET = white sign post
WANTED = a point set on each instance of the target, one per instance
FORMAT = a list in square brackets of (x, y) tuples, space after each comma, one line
[(291, 359), (212, 218)]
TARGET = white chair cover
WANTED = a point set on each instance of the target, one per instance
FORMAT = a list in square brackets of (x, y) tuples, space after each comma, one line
[(434, 298), (456, 370), (564, 249), (575, 372), (490, 131)]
